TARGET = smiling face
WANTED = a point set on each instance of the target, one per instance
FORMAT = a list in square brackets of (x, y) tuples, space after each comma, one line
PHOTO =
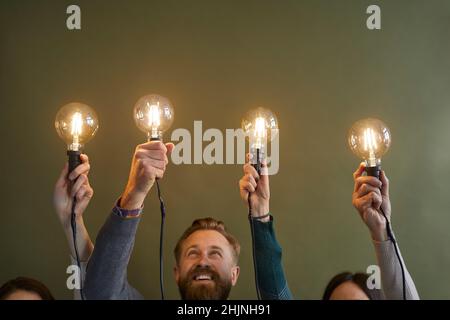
[(207, 267)]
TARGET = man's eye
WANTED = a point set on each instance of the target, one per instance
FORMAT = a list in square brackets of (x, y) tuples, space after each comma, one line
[(216, 254), (192, 253)]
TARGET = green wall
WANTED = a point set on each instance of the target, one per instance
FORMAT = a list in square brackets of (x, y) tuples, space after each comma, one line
[(312, 62)]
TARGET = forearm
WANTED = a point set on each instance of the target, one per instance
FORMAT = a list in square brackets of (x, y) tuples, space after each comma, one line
[(391, 272), (268, 254), (85, 246), (106, 276)]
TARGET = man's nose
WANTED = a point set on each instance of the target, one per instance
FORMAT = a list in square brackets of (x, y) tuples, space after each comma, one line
[(203, 260)]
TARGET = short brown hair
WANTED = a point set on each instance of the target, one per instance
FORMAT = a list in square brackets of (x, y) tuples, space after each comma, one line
[(208, 224)]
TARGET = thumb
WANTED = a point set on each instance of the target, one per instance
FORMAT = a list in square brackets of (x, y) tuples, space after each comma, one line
[(385, 184), (169, 147), (244, 194), (359, 172)]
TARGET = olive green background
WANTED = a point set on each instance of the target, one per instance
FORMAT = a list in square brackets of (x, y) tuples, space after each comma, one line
[(314, 63)]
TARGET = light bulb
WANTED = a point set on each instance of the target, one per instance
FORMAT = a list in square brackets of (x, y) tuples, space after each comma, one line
[(258, 124), (370, 139), (76, 124), (154, 115)]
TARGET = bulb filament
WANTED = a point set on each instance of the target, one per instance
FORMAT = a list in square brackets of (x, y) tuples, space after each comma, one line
[(260, 131), (370, 143), (77, 123), (154, 119)]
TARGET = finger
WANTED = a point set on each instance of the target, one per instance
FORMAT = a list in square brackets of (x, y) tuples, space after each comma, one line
[(373, 200), (83, 197), (250, 179), (242, 190), (153, 145), (362, 204), (249, 169), (85, 191), (80, 193), (370, 200), (365, 189), (377, 200), (61, 182), (84, 158), (248, 187), (359, 172), (82, 180), (159, 174), (81, 169), (244, 184), (385, 184), (368, 180), (158, 164), (169, 147), (158, 155)]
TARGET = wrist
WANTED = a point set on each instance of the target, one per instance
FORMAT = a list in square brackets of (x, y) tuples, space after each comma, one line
[(67, 223), (264, 219), (131, 200), (259, 211), (380, 234)]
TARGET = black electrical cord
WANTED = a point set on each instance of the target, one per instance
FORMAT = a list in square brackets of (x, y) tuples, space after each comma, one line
[(162, 208), (75, 245), (252, 231), (252, 228), (75, 161), (394, 242), (161, 237), (375, 172)]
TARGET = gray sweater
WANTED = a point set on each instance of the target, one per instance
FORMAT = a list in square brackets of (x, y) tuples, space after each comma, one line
[(106, 273)]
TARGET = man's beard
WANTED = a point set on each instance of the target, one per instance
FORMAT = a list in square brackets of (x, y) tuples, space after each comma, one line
[(219, 289)]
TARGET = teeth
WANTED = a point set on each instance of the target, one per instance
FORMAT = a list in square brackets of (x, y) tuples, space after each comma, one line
[(203, 277)]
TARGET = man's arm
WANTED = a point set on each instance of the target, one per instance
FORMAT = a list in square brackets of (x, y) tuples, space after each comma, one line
[(106, 276), (269, 269), (271, 279)]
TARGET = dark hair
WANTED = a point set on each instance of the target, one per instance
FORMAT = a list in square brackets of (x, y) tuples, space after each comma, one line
[(27, 284), (360, 279), (208, 224)]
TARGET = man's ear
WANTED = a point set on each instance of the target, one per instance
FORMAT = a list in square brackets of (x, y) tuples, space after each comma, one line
[(234, 275), (176, 274)]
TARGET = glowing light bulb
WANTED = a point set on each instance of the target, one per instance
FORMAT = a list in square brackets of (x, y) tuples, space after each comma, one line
[(370, 139), (259, 125), (76, 124), (153, 115)]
